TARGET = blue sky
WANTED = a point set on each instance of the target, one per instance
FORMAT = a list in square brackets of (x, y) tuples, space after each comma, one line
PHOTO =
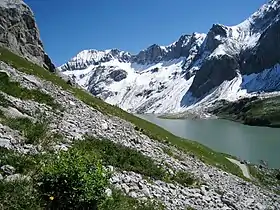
[(69, 26)]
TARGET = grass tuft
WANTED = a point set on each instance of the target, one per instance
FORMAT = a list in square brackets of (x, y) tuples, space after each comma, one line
[(122, 157), (33, 132), (23, 163), (4, 102), (184, 178), (14, 89), (119, 201)]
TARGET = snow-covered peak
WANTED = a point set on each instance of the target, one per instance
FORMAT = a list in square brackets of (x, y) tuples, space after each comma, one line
[(268, 10), (11, 3), (93, 57), (249, 30), (89, 55), (185, 46)]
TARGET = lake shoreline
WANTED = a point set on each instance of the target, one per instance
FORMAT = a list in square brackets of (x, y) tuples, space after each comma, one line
[(253, 138), (213, 117)]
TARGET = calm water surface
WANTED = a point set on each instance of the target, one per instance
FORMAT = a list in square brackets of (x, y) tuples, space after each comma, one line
[(246, 142)]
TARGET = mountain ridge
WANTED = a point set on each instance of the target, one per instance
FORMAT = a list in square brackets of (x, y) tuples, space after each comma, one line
[(156, 52), (196, 65)]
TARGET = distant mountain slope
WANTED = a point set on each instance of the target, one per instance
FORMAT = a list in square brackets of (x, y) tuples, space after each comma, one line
[(229, 62)]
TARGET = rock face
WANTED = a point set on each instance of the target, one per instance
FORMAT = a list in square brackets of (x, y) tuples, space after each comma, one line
[(265, 54), (19, 32), (248, 48), (213, 73)]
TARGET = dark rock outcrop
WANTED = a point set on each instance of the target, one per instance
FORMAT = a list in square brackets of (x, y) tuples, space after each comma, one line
[(19, 32), (186, 45), (211, 42), (265, 54), (153, 54), (212, 73), (118, 75)]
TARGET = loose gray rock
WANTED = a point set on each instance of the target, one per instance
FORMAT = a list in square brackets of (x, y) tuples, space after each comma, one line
[(108, 192), (8, 170), (17, 177)]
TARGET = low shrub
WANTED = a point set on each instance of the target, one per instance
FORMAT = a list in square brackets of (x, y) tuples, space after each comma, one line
[(72, 180), (183, 178), (122, 157)]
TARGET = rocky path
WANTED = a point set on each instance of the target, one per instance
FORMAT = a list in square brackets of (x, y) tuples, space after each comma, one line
[(242, 166)]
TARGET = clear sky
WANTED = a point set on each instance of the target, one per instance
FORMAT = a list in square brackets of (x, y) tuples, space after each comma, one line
[(69, 26)]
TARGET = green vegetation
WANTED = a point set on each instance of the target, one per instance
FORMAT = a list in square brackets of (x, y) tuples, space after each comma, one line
[(120, 202), (190, 208), (153, 131), (23, 163), (167, 151), (34, 132), (121, 157), (268, 178), (4, 102), (14, 89), (17, 195), (75, 180), (128, 159), (184, 178), (267, 110), (252, 111)]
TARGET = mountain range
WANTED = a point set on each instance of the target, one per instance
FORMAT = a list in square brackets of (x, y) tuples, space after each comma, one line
[(228, 63)]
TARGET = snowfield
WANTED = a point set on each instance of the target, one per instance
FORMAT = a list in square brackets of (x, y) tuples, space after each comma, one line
[(169, 90)]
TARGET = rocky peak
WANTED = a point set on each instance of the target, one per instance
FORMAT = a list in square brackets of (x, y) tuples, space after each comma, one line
[(267, 15), (152, 54), (183, 40), (94, 57), (214, 36), (19, 32), (185, 46), (243, 48)]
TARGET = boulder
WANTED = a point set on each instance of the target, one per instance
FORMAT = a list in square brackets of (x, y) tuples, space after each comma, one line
[(8, 170)]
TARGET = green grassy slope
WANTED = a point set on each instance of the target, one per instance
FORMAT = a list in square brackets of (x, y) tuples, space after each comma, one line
[(153, 131), (254, 111)]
